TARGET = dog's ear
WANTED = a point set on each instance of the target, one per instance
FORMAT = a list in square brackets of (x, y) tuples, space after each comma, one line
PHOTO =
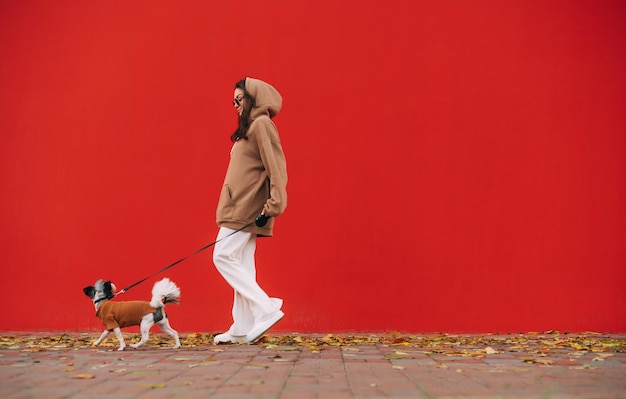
[(108, 290), (89, 291)]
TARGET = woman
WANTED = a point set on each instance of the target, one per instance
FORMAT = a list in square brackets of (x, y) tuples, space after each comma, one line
[(254, 190)]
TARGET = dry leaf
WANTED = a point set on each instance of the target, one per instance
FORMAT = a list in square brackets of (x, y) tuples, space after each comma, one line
[(490, 351), (83, 376), (546, 362), (155, 386), (601, 357), (144, 372), (583, 367), (531, 343)]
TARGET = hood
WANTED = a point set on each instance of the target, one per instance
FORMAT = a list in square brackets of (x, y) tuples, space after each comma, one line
[(268, 99)]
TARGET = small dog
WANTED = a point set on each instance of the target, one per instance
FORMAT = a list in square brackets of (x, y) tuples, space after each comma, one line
[(116, 315)]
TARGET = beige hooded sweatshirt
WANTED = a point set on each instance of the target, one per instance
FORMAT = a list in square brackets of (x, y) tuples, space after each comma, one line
[(256, 178)]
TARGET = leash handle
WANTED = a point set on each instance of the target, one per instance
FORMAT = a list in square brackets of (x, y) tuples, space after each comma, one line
[(181, 260)]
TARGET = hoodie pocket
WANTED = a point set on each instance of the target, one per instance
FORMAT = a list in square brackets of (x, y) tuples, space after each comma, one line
[(226, 205)]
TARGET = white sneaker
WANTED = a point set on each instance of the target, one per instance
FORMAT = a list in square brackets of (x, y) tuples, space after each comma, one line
[(261, 328), (226, 337)]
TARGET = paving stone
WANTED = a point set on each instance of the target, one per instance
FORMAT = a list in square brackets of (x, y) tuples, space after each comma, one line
[(297, 372)]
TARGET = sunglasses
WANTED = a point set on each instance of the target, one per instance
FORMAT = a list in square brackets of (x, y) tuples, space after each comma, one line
[(237, 101)]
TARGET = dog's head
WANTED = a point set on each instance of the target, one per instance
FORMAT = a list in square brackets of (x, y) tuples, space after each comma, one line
[(100, 290)]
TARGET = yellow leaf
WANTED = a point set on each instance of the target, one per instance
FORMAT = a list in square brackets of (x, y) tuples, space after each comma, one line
[(83, 376)]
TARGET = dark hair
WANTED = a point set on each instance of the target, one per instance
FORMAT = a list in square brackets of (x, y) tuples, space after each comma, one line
[(244, 121)]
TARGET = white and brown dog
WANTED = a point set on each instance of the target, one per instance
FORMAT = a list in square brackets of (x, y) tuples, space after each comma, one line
[(116, 315)]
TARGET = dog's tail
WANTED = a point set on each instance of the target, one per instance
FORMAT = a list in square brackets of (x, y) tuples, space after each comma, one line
[(163, 292)]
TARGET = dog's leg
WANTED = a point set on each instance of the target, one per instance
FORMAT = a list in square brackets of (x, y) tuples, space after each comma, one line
[(146, 324), (118, 334), (166, 328), (102, 337)]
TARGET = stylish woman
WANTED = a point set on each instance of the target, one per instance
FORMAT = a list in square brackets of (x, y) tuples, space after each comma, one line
[(254, 190)]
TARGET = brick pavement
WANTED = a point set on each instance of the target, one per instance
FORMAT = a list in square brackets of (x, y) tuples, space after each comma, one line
[(504, 366)]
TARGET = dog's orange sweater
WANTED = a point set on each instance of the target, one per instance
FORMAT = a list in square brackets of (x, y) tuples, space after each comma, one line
[(123, 314)]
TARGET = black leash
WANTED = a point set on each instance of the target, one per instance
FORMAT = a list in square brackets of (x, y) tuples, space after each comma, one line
[(180, 260)]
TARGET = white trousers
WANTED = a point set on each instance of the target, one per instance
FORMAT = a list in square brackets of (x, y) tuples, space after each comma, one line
[(234, 259)]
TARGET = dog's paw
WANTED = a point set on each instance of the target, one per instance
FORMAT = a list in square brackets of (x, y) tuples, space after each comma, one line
[(121, 348), (176, 346), (135, 346)]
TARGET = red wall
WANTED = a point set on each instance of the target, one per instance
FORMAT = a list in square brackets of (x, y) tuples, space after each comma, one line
[(454, 166)]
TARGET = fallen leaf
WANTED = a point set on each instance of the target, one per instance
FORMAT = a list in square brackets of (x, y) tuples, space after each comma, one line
[(546, 362), (532, 343), (490, 351), (155, 386), (394, 357), (83, 376), (193, 365)]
